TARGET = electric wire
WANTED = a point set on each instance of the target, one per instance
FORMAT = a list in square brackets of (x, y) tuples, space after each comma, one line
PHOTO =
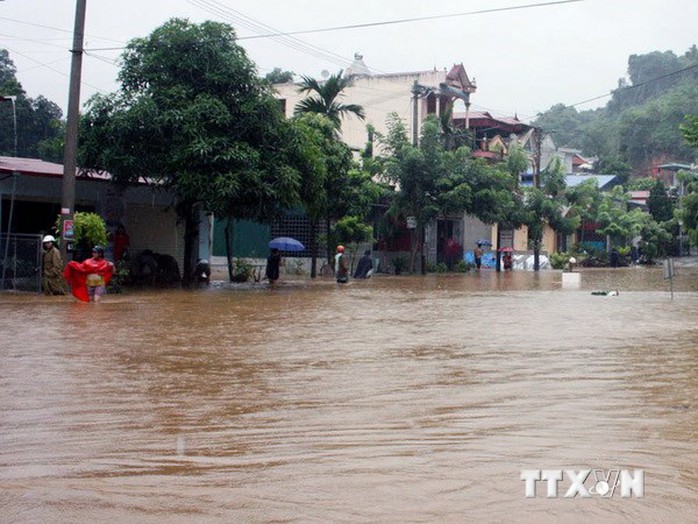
[(635, 86), (408, 20)]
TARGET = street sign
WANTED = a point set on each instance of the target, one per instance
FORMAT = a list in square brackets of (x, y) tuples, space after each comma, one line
[(68, 230)]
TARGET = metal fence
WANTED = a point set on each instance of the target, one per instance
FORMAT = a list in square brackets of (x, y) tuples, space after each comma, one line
[(20, 262)]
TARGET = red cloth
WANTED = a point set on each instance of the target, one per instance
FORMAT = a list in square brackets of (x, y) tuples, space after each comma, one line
[(121, 242), (75, 274)]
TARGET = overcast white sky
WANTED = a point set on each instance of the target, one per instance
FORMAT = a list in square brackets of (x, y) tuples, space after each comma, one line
[(524, 60)]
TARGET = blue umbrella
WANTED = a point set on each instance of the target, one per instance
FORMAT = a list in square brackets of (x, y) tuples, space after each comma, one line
[(484, 242), (286, 244)]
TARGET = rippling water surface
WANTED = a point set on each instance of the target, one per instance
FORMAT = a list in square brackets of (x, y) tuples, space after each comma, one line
[(395, 399)]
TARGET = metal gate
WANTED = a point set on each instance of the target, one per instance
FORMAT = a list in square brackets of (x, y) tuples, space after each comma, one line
[(20, 262)]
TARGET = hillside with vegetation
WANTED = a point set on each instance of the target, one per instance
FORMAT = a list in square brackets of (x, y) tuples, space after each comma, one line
[(639, 126)]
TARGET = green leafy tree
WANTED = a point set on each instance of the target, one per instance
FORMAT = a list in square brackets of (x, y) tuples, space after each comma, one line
[(38, 120), (324, 98), (414, 171), (192, 117), (688, 203), (614, 165), (565, 123), (620, 225), (319, 142), (641, 184), (431, 181), (660, 205), (689, 130), (584, 200), (89, 230), (351, 231), (546, 205), (278, 76), (688, 213)]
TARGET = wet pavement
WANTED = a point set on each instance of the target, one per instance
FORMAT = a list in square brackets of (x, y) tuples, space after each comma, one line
[(396, 399)]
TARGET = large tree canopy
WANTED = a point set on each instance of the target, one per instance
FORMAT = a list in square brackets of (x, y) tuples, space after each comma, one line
[(193, 117), (39, 130)]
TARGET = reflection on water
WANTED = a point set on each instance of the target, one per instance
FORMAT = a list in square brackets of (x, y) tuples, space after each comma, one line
[(393, 399)]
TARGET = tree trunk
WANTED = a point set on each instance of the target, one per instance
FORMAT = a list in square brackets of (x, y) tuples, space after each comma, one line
[(191, 242), (498, 264), (330, 250), (229, 247), (536, 255), (313, 248), (413, 250)]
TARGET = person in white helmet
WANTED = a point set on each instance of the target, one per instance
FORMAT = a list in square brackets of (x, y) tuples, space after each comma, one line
[(53, 268)]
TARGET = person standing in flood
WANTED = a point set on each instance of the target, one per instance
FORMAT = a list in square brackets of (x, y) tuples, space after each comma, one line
[(52, 264), (89, 280), (364, 268), (273, 266), (478, 256), (340, 266)]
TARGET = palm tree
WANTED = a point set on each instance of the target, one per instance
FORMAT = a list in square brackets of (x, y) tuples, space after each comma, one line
[(325, 99)]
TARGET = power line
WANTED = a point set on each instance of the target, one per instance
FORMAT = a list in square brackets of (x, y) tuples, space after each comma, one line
[(69, 31), (407, 20), (634, 86)]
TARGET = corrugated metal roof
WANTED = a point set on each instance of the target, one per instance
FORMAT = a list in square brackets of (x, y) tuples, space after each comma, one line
[(601, 180)]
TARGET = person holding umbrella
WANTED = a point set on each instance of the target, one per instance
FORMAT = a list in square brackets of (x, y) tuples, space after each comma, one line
[(478, 256), (508, 259), (273, 264)]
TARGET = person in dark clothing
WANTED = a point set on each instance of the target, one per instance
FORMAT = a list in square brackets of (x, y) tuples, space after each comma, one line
[(273, 263), (202, 272), (364, 266)]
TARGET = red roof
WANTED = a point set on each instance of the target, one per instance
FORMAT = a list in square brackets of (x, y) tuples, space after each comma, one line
[(485, 154), (37, 167), (484, 119)]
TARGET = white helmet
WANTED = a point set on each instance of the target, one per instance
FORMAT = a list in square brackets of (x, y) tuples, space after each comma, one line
[(49, 238)]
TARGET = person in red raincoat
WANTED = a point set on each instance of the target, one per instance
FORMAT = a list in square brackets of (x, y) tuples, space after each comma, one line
[(88, 280)]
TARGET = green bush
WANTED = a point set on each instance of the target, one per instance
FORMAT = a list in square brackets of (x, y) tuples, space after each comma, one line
[(559, 259), (462, 266), (90, 229), (400, 264), (121, 277), (242, 270)]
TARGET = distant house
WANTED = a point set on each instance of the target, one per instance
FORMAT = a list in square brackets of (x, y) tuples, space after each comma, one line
[(667, 174), (638, 199), (381, 94)]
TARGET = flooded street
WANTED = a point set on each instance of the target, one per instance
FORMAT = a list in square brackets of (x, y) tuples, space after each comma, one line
[(397, 399)]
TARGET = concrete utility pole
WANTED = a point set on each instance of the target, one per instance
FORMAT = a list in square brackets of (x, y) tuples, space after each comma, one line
[(537, 144), (417, 91), (71, 132)]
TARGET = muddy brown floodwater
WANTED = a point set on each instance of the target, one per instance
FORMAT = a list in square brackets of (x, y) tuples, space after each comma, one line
[(397, 399)]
